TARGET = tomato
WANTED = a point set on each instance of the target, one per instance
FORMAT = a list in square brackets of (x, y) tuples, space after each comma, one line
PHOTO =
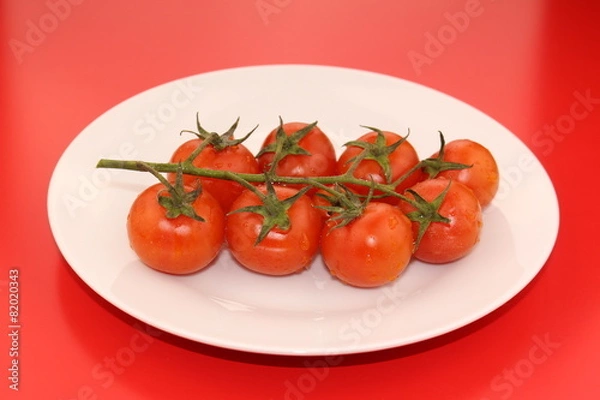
[(372, 249), (483, 177), (444, 242), (281, 252), (401, 160), (321, 160), (179, 245), (235, 158)]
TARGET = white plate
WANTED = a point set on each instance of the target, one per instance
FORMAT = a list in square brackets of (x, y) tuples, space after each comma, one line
[(308, 313)]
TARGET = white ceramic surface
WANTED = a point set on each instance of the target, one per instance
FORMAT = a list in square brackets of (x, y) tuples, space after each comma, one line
[(308, 313)]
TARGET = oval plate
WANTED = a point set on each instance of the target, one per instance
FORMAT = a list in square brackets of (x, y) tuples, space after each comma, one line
[(308, 313)]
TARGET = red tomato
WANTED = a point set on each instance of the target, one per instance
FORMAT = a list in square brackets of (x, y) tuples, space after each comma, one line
[(444, 242), (281, 252), (320, 162), (235, 158), (370, 251), (401, 160), (483, 177), (180, 245)]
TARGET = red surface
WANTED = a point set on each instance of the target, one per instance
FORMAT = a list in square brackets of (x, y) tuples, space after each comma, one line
[(523, 63)]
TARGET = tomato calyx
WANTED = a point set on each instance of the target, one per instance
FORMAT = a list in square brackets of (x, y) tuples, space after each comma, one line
[(426, 212), (346, 205), (176, 201), (433, 166), (378, 151), (273, 210), (219, 141), (285, 145)]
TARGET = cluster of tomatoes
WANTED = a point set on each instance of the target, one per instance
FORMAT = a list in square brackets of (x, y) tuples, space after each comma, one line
[(368, 212)]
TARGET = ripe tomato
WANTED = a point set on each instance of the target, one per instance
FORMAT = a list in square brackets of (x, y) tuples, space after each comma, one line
[(401, 160), (372, 249), (321, 160), (483, 177), (179, 245), (443, 242), (235, 158), (281, 252)]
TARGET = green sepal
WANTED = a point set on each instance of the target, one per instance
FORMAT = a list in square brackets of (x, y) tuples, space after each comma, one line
[(219, 141), (285, 145), (426, 212), (350, 206), (378, 151), (273, 210), (178, 201), (433, 166)]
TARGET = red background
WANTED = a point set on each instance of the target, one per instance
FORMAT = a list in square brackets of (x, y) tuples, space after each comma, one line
[(520, 62)]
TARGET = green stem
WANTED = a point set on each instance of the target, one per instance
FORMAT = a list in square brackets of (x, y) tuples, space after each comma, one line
[(407, 174), (242, 178), (205, 143)]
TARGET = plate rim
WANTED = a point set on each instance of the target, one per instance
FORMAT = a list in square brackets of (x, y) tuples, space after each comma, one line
[(516, 287)]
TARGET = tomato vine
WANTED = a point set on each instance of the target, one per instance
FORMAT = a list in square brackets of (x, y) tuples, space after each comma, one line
[(347, 204)]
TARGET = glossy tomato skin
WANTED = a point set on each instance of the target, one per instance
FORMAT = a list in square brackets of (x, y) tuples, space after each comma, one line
[(446, 242), (280, 252), (370, 251), (179, 245), (233, 158), (402, 160), (320, 162), (483, 177)]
